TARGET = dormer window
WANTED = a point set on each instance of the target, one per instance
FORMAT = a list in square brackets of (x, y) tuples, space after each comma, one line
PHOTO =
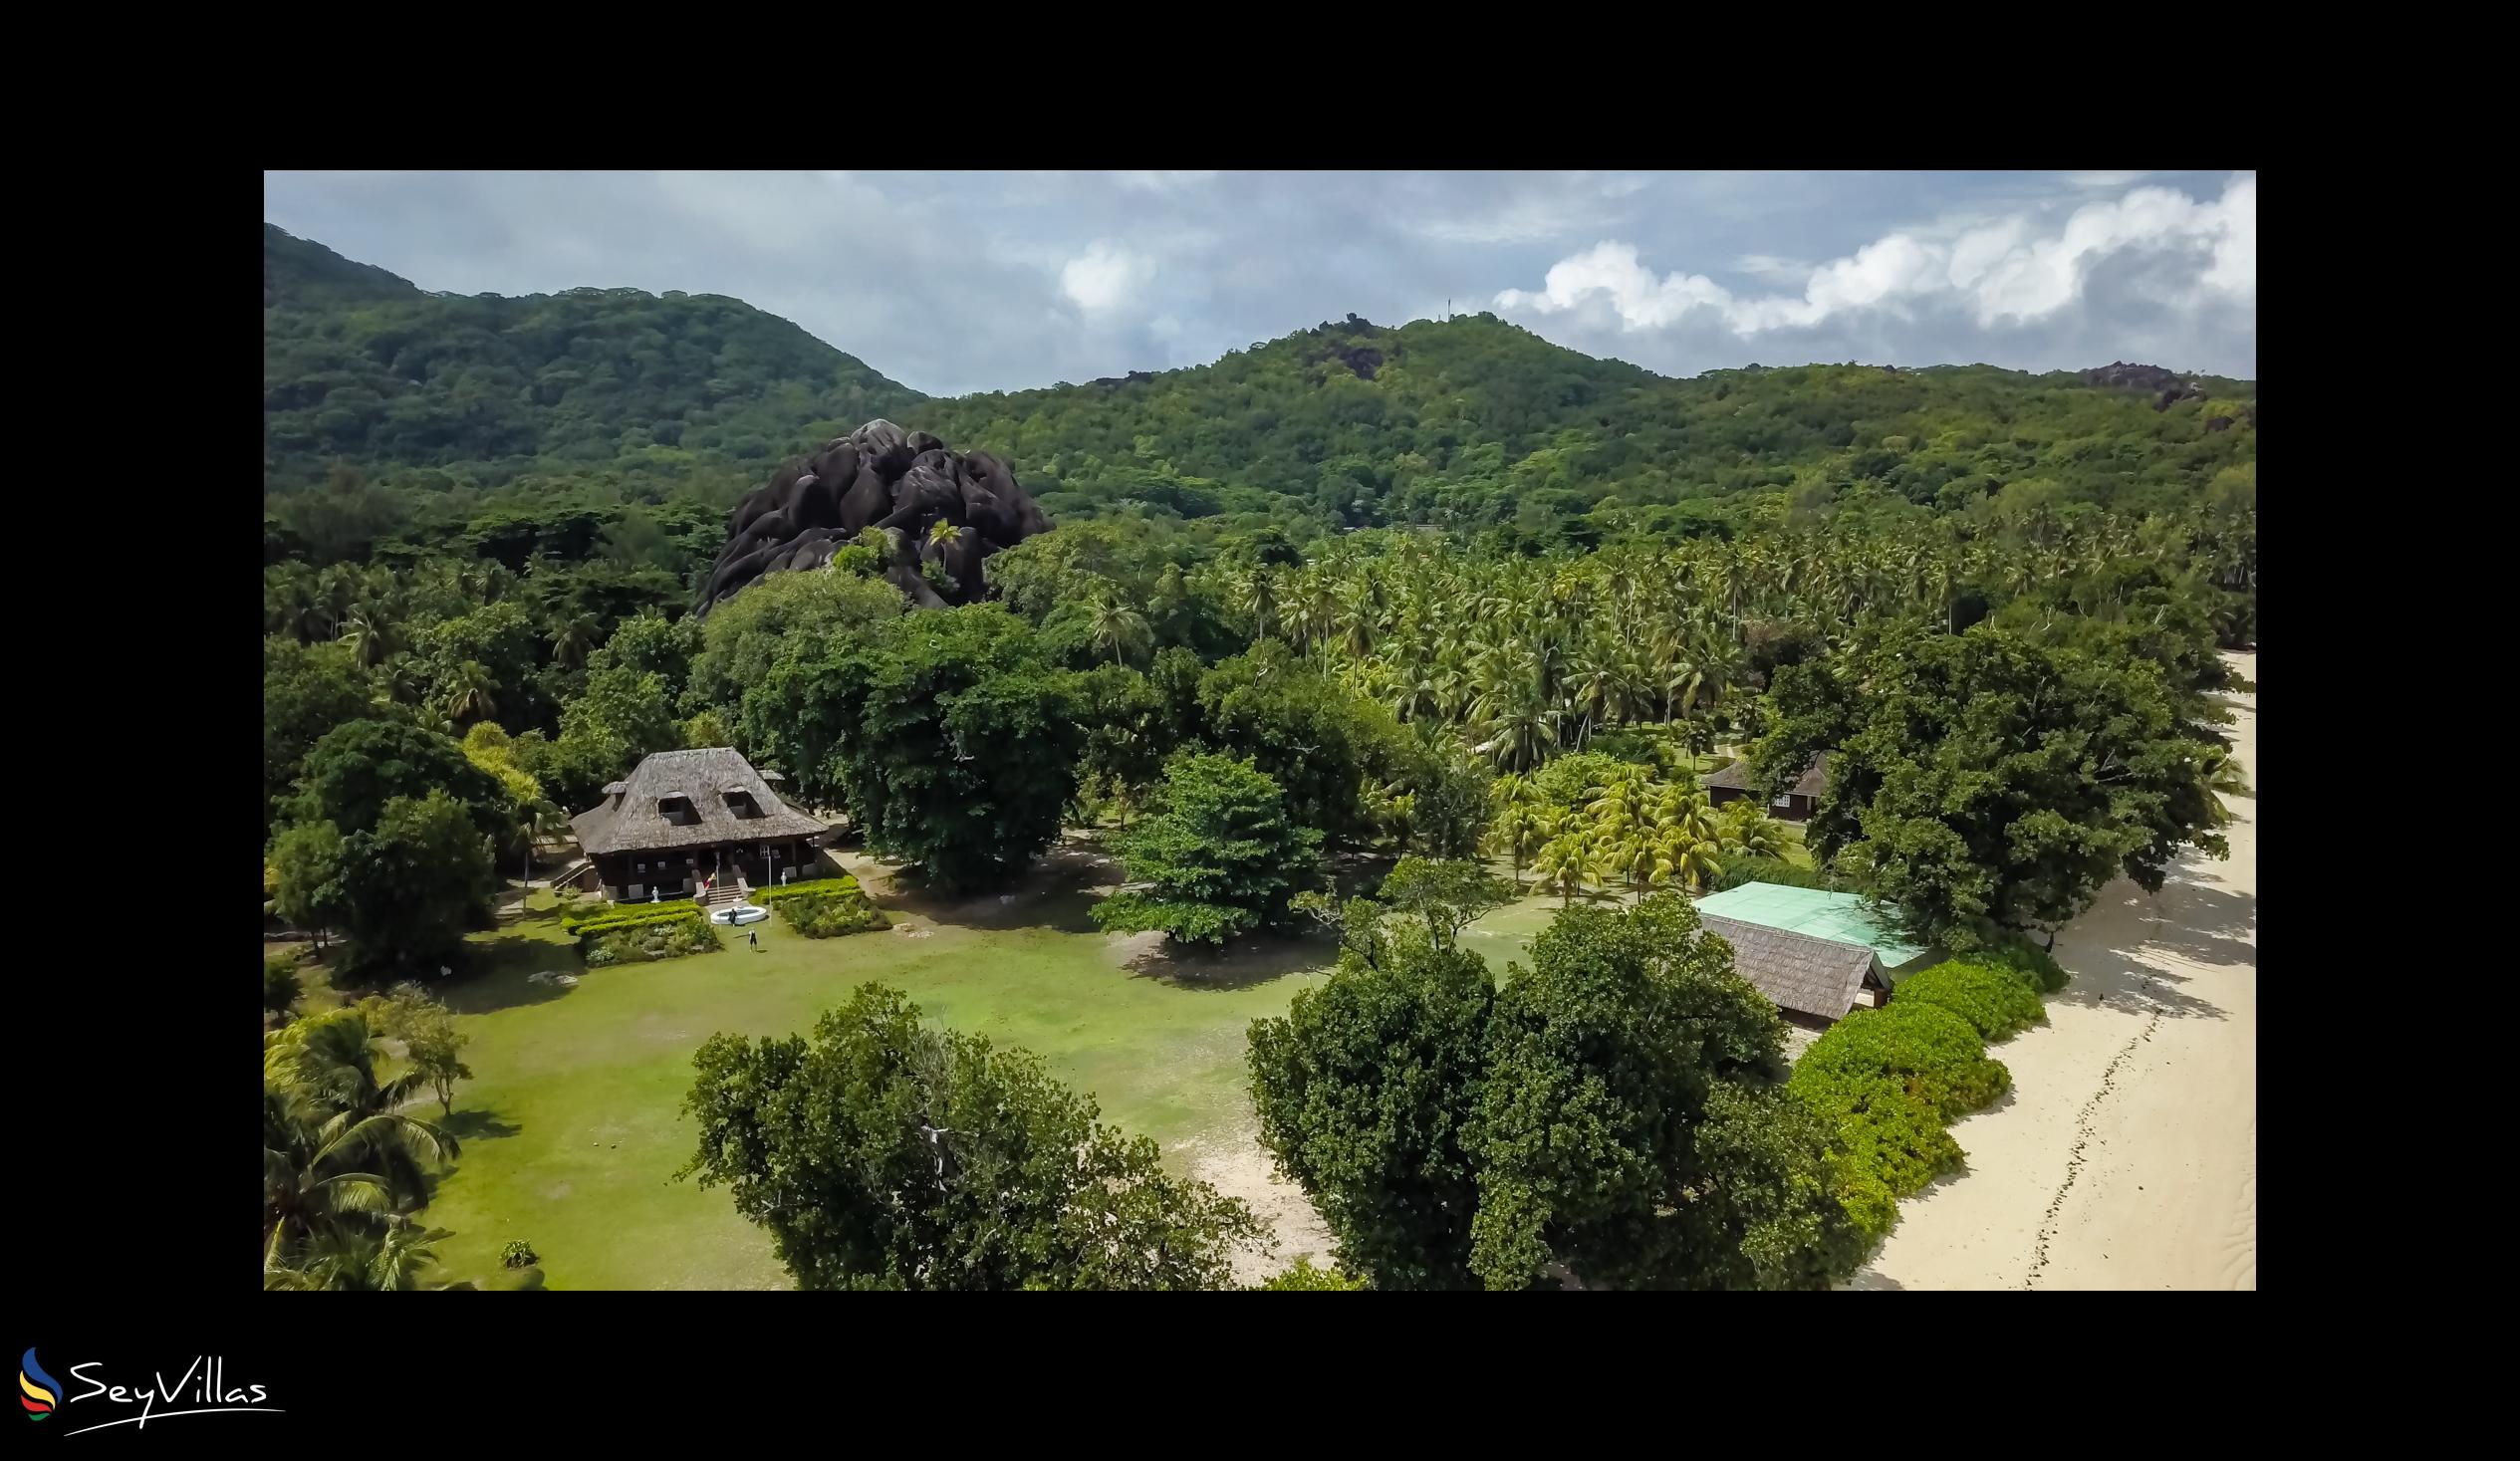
[(740, 803), (677, 808)]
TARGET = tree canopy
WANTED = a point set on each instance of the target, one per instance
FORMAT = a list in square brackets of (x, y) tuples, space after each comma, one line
[(1221, 860), (881, 1155)]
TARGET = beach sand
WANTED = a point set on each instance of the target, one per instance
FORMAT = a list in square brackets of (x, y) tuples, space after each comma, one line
[(2125, 1155)]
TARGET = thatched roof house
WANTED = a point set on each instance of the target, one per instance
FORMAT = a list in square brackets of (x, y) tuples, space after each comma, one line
[(1817, 954), (1813, 977), (687, 815), (1800, 799)]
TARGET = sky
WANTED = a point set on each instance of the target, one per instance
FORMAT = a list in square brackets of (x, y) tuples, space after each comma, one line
[(955, 282)]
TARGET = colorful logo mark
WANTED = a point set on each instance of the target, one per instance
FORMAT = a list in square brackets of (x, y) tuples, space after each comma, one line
[(41, 1391)]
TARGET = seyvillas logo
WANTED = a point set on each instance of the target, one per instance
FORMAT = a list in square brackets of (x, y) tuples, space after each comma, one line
[(40, 1391), (202, 1390)]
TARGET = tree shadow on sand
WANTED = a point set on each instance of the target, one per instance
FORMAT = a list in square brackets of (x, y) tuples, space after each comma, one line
[(2188, 923)]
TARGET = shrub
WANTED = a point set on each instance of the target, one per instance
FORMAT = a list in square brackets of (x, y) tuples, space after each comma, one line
[(280, 986), (1883, 1135), (1736, 869), (1936, 1054), (1994, 999), (2035, 965), (1869, 1202), (636, 943), (1304, 1277), (843, 884), (830, 914), (519, 1254), (629, 915)]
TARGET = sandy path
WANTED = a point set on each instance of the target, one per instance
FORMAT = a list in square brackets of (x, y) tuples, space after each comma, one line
[(2126, 1155)]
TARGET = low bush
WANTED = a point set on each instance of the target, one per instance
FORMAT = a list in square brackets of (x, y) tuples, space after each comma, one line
[(638, 943), (605, 918), (1867, 1200), (281, 987), (1931, 1051), (843, 884), (1304, 1277), (1737, 870), (1997, 1001), (518, 1254), (2024, 957), (830, 914), (1883, 1135)]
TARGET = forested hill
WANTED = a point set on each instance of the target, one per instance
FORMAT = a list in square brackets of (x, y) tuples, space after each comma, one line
[(434, 390), (1473, 422), (426, 411)]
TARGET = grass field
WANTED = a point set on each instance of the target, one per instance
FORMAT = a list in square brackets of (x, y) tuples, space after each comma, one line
[(571, 1126)]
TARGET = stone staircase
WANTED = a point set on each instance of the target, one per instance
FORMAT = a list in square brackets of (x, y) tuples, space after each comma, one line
[(726, 894)]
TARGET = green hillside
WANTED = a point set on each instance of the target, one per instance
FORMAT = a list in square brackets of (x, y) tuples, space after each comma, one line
[(364, 368), (1473, 422)]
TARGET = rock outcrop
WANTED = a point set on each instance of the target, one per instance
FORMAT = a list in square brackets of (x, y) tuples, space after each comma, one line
[(2146, 377), (900, 484)]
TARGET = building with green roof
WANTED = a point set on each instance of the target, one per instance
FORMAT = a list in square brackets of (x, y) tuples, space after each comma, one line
[(1815, 953)]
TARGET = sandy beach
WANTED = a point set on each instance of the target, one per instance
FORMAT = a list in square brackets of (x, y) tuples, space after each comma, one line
[(2125, 1155)]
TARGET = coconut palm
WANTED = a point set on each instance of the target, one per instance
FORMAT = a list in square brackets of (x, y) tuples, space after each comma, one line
[(329, 1169), (572, 635), (1255, 598), (1565, 864), (1519, 830), (1683, 862), (1113, 627), (393, 1261), (364, 632), (1745, 828), (469, 693)]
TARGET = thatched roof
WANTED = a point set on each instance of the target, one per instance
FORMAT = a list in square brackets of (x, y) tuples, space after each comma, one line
[(1813, 976), (1736, 777), (637, 824)]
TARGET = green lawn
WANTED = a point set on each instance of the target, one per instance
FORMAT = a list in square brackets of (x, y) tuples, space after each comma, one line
[(571, 1126)]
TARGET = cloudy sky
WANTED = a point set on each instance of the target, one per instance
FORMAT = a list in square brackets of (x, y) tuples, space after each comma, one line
[(960, 282)]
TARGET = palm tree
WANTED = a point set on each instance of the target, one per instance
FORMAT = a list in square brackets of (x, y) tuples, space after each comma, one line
[(1747, 829), (1255, 597), (469, 693), (1112, 627), (336, 1154), (364, 633), (572, 635), (393, 1261), (1520, 828), (1564, 863), (1684, 861)]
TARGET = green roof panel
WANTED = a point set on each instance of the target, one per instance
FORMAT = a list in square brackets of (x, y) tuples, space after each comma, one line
[(1840, 918)]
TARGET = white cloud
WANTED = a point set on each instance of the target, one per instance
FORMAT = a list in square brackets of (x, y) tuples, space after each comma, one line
[(2104, 179), (1105, 277), (2016, 268)]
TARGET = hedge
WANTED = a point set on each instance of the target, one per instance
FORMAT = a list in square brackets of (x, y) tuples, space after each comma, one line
[(1939, 1058), (657, 939), (1885, 1136), (830, 914), (1997, 1001), (843, 884), (630, 916)]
